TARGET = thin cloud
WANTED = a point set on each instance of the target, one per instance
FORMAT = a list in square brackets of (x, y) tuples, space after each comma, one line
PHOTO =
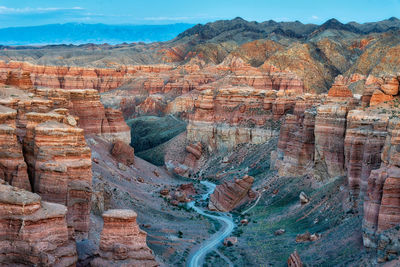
[(30, 10), (314, 17)]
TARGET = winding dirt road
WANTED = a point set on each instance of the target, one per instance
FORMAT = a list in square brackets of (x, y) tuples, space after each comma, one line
[(197, 257)]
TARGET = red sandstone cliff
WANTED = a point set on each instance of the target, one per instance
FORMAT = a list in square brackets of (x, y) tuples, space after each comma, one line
[(33, 232), (17, 73), (13, 168), (57, 158), (122, 242), (381, 209)]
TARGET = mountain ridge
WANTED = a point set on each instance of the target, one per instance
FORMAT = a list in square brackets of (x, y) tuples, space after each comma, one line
[(237, 29)]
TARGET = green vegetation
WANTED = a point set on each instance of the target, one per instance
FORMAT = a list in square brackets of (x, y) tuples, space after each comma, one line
[(148, 133)]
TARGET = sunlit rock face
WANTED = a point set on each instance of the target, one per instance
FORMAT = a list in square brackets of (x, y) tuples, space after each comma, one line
[(61, 164)]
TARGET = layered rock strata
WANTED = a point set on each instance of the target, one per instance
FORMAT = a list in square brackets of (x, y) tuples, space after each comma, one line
[(226, 117), (13, 168), (119, 130), (85, 105), (365, 136), (295, 151), (95, 119), (381, 206), (190, 162), (330, 129), (33, 232), (62, 170), (294, 260), (56, 155), (122, 242), (71, 77), (230, 195)]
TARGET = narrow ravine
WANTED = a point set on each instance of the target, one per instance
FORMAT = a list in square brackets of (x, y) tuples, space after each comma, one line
[(196, 258)]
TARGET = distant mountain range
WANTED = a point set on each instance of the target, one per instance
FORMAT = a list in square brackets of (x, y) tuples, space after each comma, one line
[(237, 30), (240, 30), (80, 33)]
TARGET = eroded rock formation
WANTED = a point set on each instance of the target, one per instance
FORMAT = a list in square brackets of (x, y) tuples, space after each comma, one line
[(230, 195), (122, 242), (33, 232), (61, 170), (381, 206), (295, 152), (13, 168), (95, 119), (123, 153), (57, 158), (226, 117), (365, 136), (26, 74)]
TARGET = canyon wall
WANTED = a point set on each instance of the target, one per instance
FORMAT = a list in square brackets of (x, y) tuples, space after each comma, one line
[(13, 168), (357, 136), (381, 206), (295, 150), (226, 117), (55, 157), (19, 73), (43, 150), (85, 106)]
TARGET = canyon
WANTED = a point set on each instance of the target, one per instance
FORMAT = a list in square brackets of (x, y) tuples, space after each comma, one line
[(105, 158)]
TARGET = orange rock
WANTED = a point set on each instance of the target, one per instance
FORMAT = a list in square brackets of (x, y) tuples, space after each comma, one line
[(379, 97), (24, 74), (152, 105), (123, 153), (230, 195), (122, 243), (339, 88), (61, 164), (19, 79), (36, 229), (390, 85), (119, 130), (13, 168)]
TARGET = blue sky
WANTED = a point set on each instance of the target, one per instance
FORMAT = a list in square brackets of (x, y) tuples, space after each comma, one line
[(39, 12)]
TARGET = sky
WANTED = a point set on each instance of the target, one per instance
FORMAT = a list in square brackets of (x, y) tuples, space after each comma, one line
[(14, 13)]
